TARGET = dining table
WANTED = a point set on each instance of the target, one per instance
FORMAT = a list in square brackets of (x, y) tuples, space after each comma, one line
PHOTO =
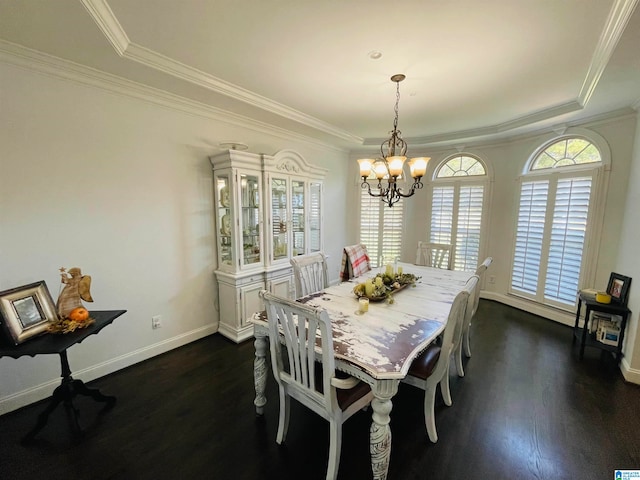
[(377, 346)]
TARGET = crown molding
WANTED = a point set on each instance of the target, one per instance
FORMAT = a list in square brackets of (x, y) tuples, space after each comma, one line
[(36, 61), (489, 142), (619, 16), (109, 25), (489, 130)]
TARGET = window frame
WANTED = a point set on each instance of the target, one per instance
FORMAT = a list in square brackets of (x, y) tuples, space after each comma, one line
[(457, 182), (599, 172)]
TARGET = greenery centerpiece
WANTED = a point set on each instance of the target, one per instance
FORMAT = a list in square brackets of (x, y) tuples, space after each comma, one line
[(384, 285)]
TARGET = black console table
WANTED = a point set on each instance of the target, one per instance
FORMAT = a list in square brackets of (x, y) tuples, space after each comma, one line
[(582, 334), (68, 388)]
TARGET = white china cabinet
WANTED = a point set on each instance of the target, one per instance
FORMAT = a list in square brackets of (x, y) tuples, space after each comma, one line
[(267, 209)]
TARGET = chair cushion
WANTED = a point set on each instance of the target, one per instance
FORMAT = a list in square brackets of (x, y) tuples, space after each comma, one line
[(345, 397), (422, 367)]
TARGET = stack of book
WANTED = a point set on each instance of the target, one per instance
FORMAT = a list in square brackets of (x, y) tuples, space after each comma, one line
[(606, 328)]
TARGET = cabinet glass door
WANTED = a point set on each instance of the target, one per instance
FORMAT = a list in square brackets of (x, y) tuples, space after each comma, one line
[(315, 216), (250, 219), (279, 219), (224, 219), (298, 217)]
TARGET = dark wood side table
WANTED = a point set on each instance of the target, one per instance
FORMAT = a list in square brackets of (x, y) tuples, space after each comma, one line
[(582, 333), (68, 388)]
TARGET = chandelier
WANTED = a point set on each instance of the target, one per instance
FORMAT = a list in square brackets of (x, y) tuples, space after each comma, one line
[(390, 164)]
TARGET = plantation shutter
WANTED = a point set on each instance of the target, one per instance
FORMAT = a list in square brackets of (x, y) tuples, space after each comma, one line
[(567, 239), (462, 208), (381, 228), (529, 236), (442, 215), (468, 229), (315, 216)]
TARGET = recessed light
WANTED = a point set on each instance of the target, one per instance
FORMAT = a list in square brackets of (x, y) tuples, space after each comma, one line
[(375, 55)]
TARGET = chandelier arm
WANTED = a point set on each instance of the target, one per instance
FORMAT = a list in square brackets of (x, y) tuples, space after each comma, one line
[(367, 186), (417, 185)]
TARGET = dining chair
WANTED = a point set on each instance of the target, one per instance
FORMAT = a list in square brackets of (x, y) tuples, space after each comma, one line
[(431, 367), (305, 370), (480, 271), (310, 273), (457, 347), (355, 261), (437, 255)]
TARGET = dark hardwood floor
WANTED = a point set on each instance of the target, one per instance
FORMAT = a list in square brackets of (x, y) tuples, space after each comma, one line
[(527, 409)]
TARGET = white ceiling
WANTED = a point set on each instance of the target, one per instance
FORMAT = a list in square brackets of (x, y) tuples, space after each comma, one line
[(475, 70)]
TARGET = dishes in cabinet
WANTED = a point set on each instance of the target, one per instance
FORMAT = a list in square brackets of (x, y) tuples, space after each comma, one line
[(224, 196), (225, 228)]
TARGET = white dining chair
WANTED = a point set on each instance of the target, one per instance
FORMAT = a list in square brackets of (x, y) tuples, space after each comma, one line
[(308, 375), (436, 255), (457, 347), (431, 367), (466, 342), (310, 273)]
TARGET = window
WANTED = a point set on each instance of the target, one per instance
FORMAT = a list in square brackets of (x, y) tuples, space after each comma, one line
[(380, 228), (553, 221), (457, 206)]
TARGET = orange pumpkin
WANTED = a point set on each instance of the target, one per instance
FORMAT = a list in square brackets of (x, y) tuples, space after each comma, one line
[(79, 314)]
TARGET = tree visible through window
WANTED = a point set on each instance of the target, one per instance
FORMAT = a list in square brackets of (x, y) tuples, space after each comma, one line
[(457, 208), (555, 199)]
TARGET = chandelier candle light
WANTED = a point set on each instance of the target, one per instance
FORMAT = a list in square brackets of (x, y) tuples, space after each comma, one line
[(390, 165)]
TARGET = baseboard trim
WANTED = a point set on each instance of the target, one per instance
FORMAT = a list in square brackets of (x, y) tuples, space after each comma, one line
[(44, 390), (630, 375), (566, 318)]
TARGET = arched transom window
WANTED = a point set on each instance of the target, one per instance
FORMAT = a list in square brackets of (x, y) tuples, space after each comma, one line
[(461, 166), (567, 152)]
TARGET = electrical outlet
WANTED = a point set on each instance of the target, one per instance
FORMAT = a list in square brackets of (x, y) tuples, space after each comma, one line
[(492, 279), (156, 321)]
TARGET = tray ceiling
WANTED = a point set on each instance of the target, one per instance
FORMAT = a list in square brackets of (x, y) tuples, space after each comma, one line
[(475, 70)]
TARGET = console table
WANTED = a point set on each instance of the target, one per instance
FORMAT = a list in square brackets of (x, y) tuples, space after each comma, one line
[(582, 334), (68, 388)]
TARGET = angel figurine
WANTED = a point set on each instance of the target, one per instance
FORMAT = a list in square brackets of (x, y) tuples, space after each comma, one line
[(76, 287)]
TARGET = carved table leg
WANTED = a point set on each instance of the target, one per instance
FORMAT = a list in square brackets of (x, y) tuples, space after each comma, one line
[(260, 371), (380, 433)]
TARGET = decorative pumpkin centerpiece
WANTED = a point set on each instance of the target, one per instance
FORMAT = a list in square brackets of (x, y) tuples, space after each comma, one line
[(79, 314), (384, 285), (71, 313)]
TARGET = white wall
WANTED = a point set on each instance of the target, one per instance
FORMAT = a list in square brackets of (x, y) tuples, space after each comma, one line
[(628, 263), (121, 187)]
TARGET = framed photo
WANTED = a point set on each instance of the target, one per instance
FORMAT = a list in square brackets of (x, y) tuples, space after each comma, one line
[(618, 288), (27, 311)]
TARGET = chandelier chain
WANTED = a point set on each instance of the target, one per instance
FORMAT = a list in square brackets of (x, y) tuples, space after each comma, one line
[(395, 120)]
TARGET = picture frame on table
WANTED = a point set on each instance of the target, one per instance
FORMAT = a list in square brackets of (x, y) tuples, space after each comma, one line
[(618, 288), (26, 311)]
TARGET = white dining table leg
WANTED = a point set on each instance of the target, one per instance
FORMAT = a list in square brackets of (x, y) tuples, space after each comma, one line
[(260, 371), (380, 433)]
